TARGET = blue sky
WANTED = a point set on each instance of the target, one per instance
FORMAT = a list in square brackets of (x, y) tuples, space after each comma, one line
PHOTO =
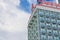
[(14, 16), (25, 5)]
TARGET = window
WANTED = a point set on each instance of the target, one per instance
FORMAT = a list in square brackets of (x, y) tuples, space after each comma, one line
[(46, 11), (30, 23), (47, 14), (50, 38), (34, 16), (59, 33), (47, 20), (37, 34), (54, 27), (58, 21), (56, 38), (55, 33), (43, 31), (42, 25), (35, 37), (43, 37), (53, 21), (49, 32), (42, 19), (48, 26), (41, 14), (52, 15), (34, 30), (58, 17), (41, 10), (59, 27), (29, 26)]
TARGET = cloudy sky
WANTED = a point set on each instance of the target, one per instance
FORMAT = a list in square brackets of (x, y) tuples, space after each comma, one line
[(14, 16)]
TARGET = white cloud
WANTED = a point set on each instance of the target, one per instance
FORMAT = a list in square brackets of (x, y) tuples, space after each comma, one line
[(57, 1), (13, 35), (13, 22), (11, 18)]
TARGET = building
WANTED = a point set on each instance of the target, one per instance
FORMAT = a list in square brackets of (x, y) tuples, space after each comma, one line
[(44, 23), (59, 1)]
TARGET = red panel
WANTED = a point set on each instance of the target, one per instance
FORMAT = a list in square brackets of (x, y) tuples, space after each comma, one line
[(33, 6), (50, 5), (47, 3), (58, 4)]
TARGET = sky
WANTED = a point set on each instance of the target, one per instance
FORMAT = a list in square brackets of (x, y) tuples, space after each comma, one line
[(14, 16)]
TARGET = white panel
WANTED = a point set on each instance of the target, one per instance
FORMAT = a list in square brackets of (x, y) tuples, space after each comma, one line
[(47, 8)]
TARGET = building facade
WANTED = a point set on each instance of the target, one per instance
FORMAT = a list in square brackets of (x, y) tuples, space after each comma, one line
[(59, 1), (44, 23)]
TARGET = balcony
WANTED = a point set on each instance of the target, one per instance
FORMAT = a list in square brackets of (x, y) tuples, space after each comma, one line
[(47, 15), (43, 26), (41, 14), (42, 19), (49, 32), (53, 16), (43, 31), (53, 21), (47, 20), (55, 33), (58, 21), (48, 26)]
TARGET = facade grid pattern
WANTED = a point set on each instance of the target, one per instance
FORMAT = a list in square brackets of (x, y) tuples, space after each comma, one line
[(49, 25)]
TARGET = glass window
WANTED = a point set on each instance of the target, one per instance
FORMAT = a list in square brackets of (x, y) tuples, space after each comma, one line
[(59, 33), (42, 25), (58, 17), (34, 16), (43, 31), (55, 33), (52, 15), (56, 38), (47, 14), (53, 21), (54, 27), (41, 14), (37, 34), (42, 19), (41, 10), (48, 26), (50, 38), (49, 32), (58, 21), (59, 27), (43, 37), (35, 37), (30, 23), (29, 26), (47, 20), (32, 20)]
